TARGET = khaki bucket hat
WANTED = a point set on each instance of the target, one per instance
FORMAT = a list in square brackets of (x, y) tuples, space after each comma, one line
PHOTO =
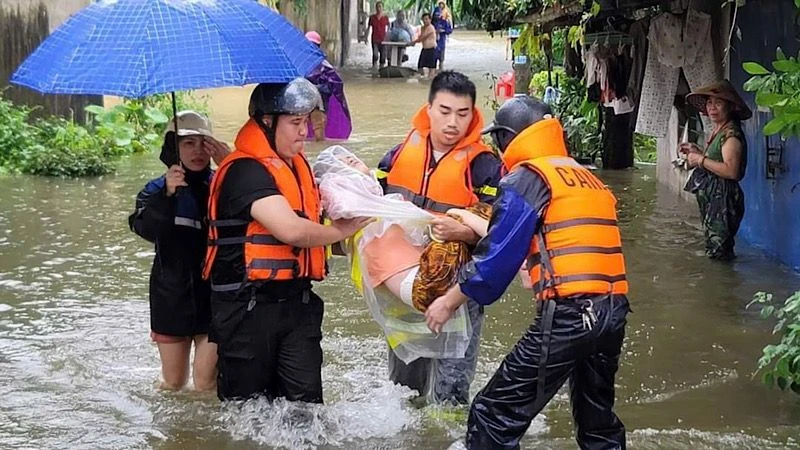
[(191, 123)]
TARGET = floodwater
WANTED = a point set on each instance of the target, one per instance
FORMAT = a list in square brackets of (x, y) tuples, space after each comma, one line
[(77, 369)]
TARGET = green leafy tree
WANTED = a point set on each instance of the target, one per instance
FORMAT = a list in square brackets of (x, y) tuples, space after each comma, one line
[(779, 90)]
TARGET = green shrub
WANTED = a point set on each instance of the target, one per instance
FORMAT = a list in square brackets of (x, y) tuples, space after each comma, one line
[(644, 148), (780, 364), (68, 150), (16, 134), (539, 81), (58, 147), (579, 117)]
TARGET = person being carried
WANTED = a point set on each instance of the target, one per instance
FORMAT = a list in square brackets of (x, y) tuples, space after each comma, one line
[(443, 164), (394, 264), (427, 57), (447, 15), (170, 212), (416, 274)]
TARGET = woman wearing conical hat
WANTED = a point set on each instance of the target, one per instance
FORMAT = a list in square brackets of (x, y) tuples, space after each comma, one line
[(720, 166)]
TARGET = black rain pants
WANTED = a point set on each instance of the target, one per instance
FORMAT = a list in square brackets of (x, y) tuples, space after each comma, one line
[(542, 362)]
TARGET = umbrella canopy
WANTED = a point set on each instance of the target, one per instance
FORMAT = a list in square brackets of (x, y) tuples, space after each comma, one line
[(135, 48)]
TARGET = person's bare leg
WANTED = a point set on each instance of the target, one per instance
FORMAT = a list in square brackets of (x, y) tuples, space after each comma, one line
[(394, 282), (174, 364), (204, 371)]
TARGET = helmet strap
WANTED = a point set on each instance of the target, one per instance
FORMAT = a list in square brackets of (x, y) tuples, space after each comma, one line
[(269, 131)]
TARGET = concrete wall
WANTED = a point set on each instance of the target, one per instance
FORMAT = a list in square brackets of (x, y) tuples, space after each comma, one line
[(672, 177), (325, 17), (58, 10), (23, 25), (772, 217), (349, 28)]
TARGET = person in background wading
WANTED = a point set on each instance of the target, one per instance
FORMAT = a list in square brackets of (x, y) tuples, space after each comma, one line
[(427, 57), (556, 216), (174, 220), (265, 247), (334, 122), (379, 23), (443, 164), (444, 28)]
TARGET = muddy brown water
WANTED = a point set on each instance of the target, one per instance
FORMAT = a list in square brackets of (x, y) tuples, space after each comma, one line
[(77, 369)]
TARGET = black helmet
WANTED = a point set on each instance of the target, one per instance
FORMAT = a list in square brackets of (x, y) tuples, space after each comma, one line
[(298, 97), (516, 114)]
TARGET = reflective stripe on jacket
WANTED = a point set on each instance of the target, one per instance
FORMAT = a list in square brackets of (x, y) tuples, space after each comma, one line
[(579, 231)]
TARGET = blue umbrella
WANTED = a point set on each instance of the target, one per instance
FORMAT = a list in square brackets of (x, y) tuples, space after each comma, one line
[(134, 48)]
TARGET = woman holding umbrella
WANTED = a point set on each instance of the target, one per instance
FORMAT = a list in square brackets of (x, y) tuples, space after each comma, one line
[(173, 219)]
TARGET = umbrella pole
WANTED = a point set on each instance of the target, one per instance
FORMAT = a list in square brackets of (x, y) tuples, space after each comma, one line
[(179, 189), (175, 121)]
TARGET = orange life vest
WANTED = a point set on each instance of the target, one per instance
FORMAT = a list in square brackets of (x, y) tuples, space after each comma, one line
[(267, 258), (436, 186), (583, 248)]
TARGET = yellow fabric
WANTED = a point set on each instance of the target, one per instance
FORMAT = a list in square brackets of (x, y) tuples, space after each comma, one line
[(355, 262), (328, 248), (488, 190)]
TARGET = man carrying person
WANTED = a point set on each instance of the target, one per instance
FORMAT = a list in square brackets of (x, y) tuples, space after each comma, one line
[(443, 29), (558, 217), (443, 164)]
